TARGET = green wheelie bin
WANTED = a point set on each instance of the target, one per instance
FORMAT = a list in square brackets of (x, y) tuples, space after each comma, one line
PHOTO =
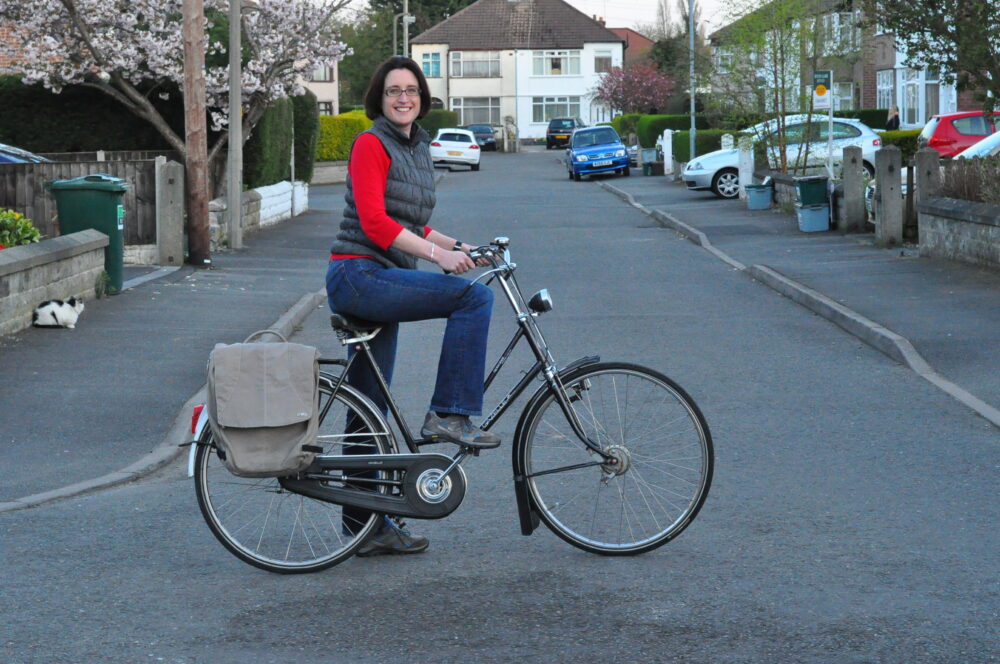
[(95, 201)]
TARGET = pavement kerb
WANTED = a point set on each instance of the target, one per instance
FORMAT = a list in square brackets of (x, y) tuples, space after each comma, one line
[(167, 450), (877, 336)]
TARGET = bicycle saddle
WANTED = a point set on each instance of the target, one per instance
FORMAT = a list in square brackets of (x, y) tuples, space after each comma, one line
[(352, 323)]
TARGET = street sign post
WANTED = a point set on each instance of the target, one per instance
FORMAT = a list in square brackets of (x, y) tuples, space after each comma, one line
[(823, 100)]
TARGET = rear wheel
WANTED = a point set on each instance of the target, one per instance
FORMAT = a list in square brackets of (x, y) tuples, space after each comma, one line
[(475, 167), (267, 526), (664, 459)]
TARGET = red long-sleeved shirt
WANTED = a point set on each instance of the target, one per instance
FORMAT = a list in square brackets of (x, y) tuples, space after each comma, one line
[(368, 167)]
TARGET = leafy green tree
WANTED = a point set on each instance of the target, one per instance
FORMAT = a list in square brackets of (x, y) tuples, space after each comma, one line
[(960, 38), (369, 36)]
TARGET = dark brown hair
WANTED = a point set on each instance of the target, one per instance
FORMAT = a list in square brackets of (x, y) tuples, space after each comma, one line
[(376, 88)]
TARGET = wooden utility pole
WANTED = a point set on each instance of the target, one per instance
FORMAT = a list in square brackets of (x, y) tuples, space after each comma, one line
[(196, 134)]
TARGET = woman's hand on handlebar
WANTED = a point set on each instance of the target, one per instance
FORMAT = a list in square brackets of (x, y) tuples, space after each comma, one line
[(456, 262)]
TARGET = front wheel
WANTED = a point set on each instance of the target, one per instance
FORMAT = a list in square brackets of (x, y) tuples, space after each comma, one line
[(267, 526), (626, 172), (664, 459), (726, 183)]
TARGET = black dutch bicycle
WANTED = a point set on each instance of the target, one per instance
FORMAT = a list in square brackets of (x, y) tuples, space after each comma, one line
[(614, 458)]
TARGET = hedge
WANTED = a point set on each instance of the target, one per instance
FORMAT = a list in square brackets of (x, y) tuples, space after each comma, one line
[(626, 124), (266, 153), (438, 118), (905, 140), (337, 134), (650, 127), (79, 119), (706, 140), (306, 114)]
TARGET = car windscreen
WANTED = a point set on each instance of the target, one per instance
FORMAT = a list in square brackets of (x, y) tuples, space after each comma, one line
[(454, 138), (561, 124), (482, 129), (929, 128), (599, 137)]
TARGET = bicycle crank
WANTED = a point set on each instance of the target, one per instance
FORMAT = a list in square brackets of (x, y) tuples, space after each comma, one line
[(426, 491)]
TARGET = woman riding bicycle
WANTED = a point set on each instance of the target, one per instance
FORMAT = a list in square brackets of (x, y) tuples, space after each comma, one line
[(371, 275)]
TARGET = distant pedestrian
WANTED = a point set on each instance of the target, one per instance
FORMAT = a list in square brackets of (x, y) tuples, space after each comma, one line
[(892, 122)]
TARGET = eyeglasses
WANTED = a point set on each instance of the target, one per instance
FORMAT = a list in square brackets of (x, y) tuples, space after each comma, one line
[(409, 92)]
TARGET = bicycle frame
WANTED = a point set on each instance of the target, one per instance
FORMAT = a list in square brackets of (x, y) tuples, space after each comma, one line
[(526, 313)]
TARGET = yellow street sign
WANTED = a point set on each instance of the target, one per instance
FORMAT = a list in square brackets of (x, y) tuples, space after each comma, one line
[(820, 90)]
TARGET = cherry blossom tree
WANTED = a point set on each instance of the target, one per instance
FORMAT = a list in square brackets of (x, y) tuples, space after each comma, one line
[(132, 50), (641, 88)]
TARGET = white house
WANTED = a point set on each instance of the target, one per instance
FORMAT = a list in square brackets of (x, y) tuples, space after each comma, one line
[(528, 60)]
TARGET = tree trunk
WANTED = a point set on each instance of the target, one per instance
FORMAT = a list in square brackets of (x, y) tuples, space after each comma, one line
[(196, 135)]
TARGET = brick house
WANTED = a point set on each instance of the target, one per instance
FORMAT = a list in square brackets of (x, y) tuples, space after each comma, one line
[(637, 46), (867, 66), (530, 60)]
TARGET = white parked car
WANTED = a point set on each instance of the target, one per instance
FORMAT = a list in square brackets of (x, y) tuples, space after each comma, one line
[(455, 146), (719, 171)]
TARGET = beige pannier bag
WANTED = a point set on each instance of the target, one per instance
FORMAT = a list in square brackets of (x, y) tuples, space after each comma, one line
[(263, 406)]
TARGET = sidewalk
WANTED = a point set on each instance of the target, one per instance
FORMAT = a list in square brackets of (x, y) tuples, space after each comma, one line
[(78, 406), (940, 318)]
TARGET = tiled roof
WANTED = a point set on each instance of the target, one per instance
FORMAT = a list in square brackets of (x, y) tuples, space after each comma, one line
[(493, 25)]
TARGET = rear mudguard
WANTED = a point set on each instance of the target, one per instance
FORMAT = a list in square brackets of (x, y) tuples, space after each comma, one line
[(526, 509)]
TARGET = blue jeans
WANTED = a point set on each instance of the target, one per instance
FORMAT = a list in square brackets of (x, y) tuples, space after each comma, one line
[(369, 290)]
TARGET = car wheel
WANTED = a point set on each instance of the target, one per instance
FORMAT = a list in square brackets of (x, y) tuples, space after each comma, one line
[(626, 172), (475, 167), (869, 170), (576, 176), (726, 183), (570, 173)]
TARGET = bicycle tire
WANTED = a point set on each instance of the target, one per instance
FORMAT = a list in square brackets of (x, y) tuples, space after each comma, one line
[(274, 529), (648, 421)]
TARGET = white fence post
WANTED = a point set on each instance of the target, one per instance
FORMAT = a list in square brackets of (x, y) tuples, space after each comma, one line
[(727, 142), (667, 145), (745, 165)]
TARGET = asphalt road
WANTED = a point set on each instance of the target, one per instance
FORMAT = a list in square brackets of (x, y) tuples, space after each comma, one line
[(852, 516)]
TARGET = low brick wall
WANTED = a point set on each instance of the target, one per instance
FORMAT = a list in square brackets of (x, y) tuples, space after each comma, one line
[(960, 230), (65, 266)]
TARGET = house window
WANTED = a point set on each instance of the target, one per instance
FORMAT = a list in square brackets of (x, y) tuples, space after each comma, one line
[(322, 75), (885, 88), (325, 107), (602, 62), (430, 63), (475, 64), (556, 63), (932, 93), (544, 109), (843, 96), (911, 96), (477, 110)]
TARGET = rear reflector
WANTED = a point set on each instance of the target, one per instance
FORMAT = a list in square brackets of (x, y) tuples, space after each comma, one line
[(195, 416)]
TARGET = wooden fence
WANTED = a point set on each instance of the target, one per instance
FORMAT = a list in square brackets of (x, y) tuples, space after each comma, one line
[(22, 188)]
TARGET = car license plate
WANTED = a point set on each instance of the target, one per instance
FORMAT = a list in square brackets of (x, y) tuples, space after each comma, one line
[(562, 136), (454, 153), (598, 164)]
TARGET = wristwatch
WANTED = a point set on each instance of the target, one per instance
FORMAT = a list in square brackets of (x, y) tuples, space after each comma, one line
[(458, 246)]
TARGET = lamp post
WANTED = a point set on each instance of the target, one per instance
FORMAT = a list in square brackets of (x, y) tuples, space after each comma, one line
[(234, 184), (691, 154)]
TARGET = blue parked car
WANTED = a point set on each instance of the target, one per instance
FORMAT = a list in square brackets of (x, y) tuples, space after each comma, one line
[(596, 150)]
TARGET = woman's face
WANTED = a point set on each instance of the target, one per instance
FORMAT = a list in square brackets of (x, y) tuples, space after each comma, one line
[(403, 110)]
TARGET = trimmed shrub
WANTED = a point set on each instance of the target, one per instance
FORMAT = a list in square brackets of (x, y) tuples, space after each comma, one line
[(905, 140), (266, 154), (706, 140), (306, 114), (650, 127), (873, 117), (438, 118), (626, 124), (337, 134)]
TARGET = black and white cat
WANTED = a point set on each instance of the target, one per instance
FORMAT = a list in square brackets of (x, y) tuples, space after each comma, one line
[(56, 313)]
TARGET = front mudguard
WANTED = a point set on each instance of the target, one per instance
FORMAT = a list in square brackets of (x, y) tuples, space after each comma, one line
[(527, 511)]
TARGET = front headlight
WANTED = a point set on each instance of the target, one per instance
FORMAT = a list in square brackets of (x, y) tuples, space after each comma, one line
[(696, 166), (581, 157), (620, 153)]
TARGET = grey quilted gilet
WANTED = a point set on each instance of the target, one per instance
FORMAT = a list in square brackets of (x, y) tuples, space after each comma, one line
[(409, 195)]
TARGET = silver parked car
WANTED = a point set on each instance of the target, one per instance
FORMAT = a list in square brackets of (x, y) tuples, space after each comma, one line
[(718, 171)]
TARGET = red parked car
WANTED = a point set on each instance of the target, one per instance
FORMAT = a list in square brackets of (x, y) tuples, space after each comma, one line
[(951, 133)]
